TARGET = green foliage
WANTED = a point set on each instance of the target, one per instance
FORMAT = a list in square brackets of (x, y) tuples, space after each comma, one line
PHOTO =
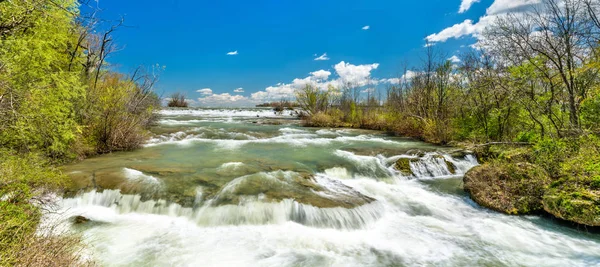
[(57, 101), (590, 111), (313, 100), (23, 178), (118, 114), (36, 78), (527, 137)]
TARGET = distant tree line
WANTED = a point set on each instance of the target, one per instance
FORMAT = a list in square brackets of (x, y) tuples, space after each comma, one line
[(533, 75)]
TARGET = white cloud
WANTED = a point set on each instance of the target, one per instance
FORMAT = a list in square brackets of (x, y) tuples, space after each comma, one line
[(368, 90), (205, 91), (232, 53), (321, 74), (454, 59), (409, 75), (356, 75), (504, 6), (455, 31), (346, 73), (322, 57), (217, 99), (239, 90), (469, 28), (466, 5), (366, 27)]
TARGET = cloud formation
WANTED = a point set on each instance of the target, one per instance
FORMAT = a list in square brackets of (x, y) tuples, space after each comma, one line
[(356, 75), (366, 27), (345, 74), (466, 5), (322, 57), (232, 53), (239, 90), (205, 91), (454, 59), (470, 28), (224, 99)]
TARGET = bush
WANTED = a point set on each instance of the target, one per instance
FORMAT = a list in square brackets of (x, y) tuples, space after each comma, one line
[(576, 196), (320, 120), (590, 111), (177, 101), (550, 154), (118, 114), (25, 180)]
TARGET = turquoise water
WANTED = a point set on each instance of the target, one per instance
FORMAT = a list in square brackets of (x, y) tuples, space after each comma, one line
[(253, 188)]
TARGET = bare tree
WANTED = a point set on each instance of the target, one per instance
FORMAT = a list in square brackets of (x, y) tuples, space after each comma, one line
[(555, 38)]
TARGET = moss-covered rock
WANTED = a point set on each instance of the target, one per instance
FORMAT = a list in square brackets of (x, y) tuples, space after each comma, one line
[(576, 197), (511, 188), (573, 201), (403, 165), (450, 166)]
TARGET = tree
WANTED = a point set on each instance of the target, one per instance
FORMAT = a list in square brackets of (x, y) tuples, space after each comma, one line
[(313, 100), (556, 39)]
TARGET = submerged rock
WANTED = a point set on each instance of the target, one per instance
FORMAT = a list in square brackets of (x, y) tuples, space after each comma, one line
[(280, 185), (511, 188)]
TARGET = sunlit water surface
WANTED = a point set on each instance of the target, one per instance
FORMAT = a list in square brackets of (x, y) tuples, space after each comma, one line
[(252, 188)]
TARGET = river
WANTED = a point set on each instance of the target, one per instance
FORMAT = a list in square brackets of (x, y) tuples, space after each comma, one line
[(229, 187)]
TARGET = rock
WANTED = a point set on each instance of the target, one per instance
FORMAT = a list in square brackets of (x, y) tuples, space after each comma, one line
[(461, 153), (574, 200), (280, 185), (403, 165), (80, 219), (450, 166), (153, 169), (511, 188)]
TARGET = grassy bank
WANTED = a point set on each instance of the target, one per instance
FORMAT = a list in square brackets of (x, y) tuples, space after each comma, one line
[(59, 102)]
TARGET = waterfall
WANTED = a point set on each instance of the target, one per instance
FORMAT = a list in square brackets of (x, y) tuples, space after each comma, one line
[(251, 212)]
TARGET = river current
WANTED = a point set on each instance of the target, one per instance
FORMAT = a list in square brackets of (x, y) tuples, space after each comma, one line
[(229, 187)]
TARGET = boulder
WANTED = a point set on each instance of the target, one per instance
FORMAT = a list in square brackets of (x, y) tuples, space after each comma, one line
[(80, 219), (403, 165), (511, 188)]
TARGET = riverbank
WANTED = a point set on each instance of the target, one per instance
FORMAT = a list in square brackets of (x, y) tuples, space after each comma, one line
[(564, 186)]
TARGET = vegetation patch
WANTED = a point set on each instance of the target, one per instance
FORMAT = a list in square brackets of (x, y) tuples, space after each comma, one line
[(511, 188), (576, 196)]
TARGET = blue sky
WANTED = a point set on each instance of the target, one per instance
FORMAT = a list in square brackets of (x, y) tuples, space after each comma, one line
[(278, 41)]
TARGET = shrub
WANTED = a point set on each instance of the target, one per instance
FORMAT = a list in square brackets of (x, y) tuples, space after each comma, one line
[(118, 114), (177, 101), (25, 180), (320, 120), (550, 153)]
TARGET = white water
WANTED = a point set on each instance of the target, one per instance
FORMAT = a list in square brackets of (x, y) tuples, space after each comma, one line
[(415, 220)]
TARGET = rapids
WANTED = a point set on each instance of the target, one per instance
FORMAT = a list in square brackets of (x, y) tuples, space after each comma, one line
[(253, 188)]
